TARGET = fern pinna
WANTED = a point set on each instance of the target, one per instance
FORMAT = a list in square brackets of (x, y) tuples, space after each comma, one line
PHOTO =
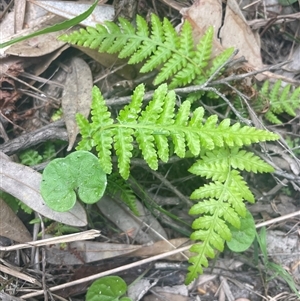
[(279, 100), (161, 46), (157, 127)]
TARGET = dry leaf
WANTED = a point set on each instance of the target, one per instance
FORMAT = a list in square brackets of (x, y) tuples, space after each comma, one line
[(23, 183), (71, 9), (111, 61), (81, 252), (11, 226), (77, 96), (164, 246), (235, 32), (37, 46), (19, 8), (133, 226)]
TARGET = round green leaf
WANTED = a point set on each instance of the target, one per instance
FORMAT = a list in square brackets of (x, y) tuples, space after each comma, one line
[(81, 172), (243, 237), (109, 288)]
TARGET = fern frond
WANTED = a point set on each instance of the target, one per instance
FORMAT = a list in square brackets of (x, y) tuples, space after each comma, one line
[(281, 100), (157, 46), (158, 125), (223, 199), (152, 127)]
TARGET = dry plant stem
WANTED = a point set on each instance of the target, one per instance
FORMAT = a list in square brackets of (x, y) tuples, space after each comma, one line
[(43, 260), (186, 90), (18, 275), (278, 219), (286, 175), (96, 80), (257, 23), (171, 187), (6, 297), (54, 130), (90, 234), (42, 80)]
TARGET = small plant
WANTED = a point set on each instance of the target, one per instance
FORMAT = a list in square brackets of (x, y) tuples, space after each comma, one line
[(109, 288), (279, 100), (271, 267), (217, 147), (32, 157)]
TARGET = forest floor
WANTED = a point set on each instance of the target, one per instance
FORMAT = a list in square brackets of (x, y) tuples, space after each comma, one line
[(35, 90)]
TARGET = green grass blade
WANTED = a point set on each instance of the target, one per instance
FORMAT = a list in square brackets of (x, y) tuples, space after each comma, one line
[(60, 26)]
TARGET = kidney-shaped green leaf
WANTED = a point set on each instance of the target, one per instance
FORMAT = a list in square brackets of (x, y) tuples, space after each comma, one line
[(81, 173), (243, 237), (109, 288)]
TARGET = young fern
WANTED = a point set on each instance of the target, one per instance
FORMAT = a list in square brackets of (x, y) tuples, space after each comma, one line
[(158, 126), (280, 100), (160, 47)]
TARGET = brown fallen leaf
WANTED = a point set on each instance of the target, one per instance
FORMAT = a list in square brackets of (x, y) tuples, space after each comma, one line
[(234, 32), (108, 60), (39, 45), (11, 226), (77, 96), (164, 246), (133, 226), (80, 252)]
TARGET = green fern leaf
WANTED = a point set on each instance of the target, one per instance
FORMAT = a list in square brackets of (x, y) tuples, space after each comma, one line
[(274, 96), (123, 137), (203, 251), (154, 128), (93, 133), (160, 47), (240, 159), (181, 122), (219, 60), (204, 48), (272, 118), (224, 198), (280, 100)]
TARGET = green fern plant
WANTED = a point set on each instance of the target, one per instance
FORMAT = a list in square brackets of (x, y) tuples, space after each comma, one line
[(157, 127), (160, 127), (175, 54), (280, 100)]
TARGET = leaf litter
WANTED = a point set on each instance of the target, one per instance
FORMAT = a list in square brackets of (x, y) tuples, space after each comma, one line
[(234, 23)]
